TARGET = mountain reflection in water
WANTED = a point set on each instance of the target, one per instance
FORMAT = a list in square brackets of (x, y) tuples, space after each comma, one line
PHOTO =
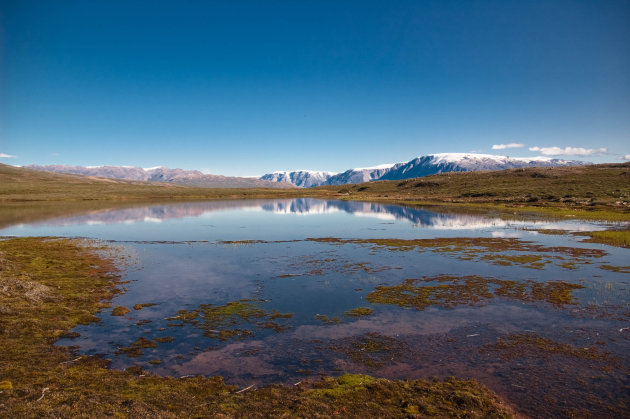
[(300, 206)]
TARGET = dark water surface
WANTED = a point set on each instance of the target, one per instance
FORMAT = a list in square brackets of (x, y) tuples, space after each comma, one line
[(263, 292)]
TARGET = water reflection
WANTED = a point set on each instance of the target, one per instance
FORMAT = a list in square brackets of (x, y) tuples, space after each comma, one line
[(417, 216)]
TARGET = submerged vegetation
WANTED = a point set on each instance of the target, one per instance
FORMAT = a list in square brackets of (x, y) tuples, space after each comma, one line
[(228, 321), (448, 291), (359, 311), (371, 350), (48, 286), (529, 345), (498, 251)]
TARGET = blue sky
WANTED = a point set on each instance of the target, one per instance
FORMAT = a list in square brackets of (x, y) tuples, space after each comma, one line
[(248, 87)]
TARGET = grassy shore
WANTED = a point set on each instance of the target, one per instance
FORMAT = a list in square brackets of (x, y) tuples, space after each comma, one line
[(50, 285)]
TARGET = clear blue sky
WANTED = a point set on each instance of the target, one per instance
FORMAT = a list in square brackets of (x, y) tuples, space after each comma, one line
[(248, 87)]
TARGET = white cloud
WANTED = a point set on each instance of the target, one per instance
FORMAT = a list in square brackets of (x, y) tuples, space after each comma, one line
[(6, 156), (626, 157), (504, 146), (568, 151)]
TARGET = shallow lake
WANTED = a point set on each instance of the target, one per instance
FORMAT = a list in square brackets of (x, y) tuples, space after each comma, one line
[(278, 291)]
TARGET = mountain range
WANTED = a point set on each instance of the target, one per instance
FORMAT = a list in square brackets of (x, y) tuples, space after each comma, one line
[(418, 167), (163, 174)]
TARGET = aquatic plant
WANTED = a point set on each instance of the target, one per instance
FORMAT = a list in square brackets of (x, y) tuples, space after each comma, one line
[(498, 251), (359, 311), (371, 350), (227, 321), (448, 291)]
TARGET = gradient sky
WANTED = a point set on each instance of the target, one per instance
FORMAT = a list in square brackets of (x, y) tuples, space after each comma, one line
[(249, 87)]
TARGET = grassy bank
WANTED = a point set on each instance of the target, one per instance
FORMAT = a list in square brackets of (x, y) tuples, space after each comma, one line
[(48, 286)]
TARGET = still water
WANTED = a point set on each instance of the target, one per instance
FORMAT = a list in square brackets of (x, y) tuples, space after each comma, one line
[(278, 291)]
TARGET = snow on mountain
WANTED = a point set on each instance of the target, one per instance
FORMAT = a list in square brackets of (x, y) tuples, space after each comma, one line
[(424, 166), (302, 178), (361, 174)]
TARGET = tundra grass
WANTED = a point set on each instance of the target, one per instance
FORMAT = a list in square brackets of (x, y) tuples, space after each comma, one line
[(620, 238), (49, 285)]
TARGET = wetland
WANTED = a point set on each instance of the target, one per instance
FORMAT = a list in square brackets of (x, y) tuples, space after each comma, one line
[(289, 291)]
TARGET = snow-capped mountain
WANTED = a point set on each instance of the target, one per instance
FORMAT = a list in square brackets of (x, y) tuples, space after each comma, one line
[(303, 178), (425, 166), (163, 174), (362, 174), (466, 162)]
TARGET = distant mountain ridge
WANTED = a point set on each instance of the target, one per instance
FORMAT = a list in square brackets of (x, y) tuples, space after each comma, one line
[(163, 174), (418, 167)]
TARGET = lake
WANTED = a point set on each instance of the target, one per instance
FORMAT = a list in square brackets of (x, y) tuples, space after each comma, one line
[(279, 291)]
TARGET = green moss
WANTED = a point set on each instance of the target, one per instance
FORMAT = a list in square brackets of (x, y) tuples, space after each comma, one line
[(343, 386), (358, 312)]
